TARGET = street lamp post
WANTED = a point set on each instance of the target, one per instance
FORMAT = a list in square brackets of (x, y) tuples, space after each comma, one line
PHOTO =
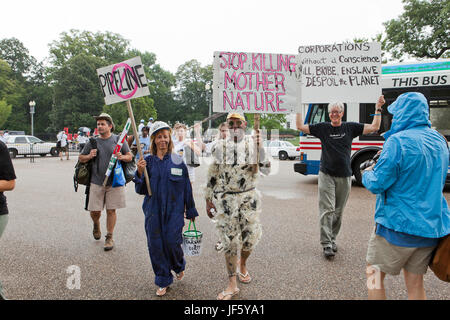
[(32, 104)]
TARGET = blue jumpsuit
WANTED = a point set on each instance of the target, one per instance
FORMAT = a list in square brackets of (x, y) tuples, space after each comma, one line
[(164, 213)]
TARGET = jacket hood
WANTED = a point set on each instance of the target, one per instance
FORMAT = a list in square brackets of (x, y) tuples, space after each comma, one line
[(410, 110)]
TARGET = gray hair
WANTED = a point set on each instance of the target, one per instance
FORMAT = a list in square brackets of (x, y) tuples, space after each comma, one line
[(340, 105)]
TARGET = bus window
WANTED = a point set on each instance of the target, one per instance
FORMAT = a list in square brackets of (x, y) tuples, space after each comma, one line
[(440, 116), (365, 116)]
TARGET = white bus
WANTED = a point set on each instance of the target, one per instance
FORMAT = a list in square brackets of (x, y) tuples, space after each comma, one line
[(430, 78)]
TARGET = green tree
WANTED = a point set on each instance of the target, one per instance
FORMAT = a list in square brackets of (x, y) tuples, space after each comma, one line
[(192, 96), (18, 57), (107, 46), (14, 95), (267, 121), (5, 111), (422, 31), (142, 109), (77, 95)]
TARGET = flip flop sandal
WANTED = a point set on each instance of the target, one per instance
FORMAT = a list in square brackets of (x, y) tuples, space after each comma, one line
[(228, 295), (161, 291), (243, 276), (180, 276)]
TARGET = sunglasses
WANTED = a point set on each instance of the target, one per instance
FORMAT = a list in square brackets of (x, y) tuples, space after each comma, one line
[(233, 123)]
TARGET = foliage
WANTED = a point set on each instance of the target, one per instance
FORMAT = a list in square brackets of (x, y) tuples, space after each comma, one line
[(142, 109), (5, 111), (76, 92), (267, 121), (107, 46), (422, 31), (17, 56), (192, 95)]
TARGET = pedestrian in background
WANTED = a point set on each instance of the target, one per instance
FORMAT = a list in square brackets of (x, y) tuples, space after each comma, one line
[(335, 175), (2, 136), (165, 210), (62, 144), (181, 143), (411, 212), (7, 183), (144, 140), (221, 135), (141, 125)]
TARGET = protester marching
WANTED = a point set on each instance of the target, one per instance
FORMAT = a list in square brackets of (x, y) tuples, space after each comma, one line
[(407, 176)]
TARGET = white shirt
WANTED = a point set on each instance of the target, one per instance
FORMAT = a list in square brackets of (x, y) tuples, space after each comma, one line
[(178, 148), (63, 138), (82, 139), (140, 129)]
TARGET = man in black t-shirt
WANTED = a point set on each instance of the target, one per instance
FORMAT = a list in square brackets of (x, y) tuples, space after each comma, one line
[(335, 170), (7, 183)]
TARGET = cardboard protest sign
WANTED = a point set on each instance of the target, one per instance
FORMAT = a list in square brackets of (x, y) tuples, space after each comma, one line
[(347, 72), (254, 82), (123, 81)]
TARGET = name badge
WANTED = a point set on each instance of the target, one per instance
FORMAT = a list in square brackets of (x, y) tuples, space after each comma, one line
[(176, 171)]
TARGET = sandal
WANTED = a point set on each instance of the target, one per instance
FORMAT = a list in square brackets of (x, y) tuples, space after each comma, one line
[(180, 276), (161, 291), (242, 277), (227, 295)]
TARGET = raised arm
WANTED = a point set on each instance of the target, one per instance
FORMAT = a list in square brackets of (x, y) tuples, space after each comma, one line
[(300, 125), (376, 122)]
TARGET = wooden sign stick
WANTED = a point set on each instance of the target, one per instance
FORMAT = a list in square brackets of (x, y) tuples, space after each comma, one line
[(136, 136), (256, 128)]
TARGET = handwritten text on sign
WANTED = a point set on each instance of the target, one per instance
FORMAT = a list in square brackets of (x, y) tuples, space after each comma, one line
[(123, 81), (255, 82), (348, 72)]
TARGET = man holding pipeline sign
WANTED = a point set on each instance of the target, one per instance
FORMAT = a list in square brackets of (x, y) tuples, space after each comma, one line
[(99, 152)]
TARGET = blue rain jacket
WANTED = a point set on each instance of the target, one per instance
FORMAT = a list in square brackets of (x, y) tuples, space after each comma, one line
[(410, 174), (164, 213)]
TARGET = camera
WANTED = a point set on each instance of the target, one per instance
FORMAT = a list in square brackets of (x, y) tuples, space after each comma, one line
[(369, 162)]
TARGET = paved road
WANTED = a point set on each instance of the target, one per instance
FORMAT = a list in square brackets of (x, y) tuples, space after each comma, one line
[(49, 231)]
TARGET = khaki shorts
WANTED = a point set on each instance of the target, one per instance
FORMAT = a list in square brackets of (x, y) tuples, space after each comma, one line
[(109, 197), (391, 259)]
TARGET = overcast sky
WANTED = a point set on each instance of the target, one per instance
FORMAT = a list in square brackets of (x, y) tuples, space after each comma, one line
[(180, 30)]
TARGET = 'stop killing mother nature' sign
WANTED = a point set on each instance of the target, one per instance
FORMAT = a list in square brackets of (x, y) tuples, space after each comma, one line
[(255, 83)]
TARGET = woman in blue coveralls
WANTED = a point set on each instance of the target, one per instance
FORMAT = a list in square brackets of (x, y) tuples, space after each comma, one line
[(165, 210)]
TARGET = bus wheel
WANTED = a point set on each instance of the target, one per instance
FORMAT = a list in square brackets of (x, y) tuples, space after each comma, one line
[(357, 163)]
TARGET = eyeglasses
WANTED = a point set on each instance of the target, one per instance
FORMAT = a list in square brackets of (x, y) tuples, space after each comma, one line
[(232, 123), (335, 112)]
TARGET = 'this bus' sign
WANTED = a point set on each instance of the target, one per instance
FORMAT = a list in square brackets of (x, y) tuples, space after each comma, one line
[(255, 82), (123, 81), (347, 72)]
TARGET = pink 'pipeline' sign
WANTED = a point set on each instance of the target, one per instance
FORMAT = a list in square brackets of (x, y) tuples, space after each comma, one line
[(123, 81)]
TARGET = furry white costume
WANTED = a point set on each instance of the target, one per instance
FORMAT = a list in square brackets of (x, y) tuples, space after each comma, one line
[(231, 186)]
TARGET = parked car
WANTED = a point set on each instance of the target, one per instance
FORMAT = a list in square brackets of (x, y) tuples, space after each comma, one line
[(282, 149), (27, 145)]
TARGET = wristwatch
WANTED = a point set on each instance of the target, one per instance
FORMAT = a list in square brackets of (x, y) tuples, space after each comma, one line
[(379, 110)]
